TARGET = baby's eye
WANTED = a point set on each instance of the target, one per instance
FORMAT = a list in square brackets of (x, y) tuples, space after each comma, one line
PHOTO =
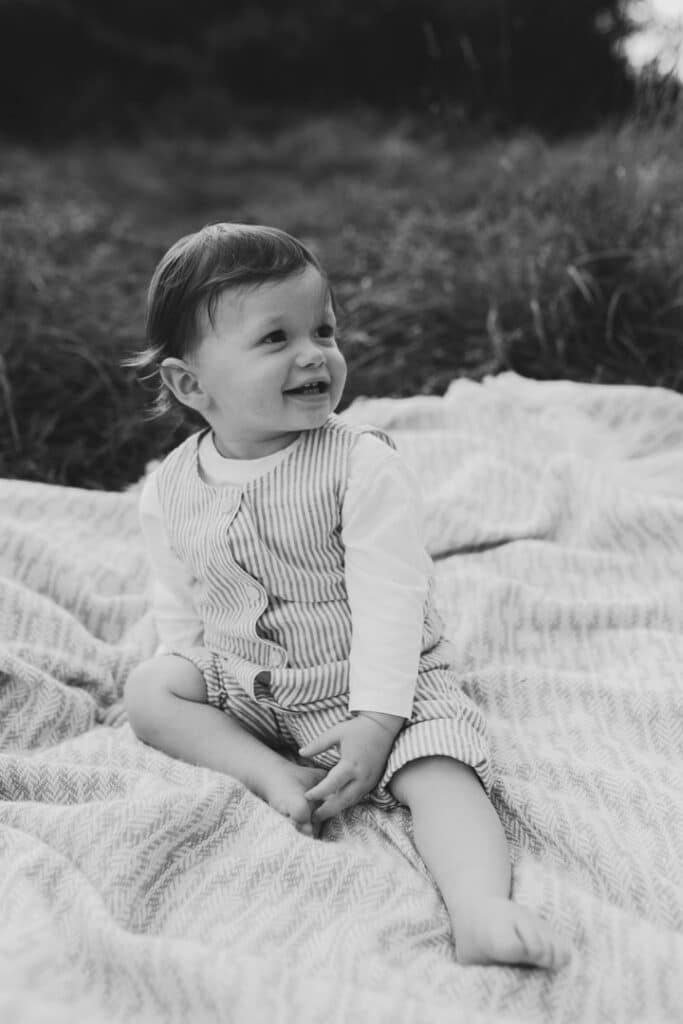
[(274, 338), (326, 331)]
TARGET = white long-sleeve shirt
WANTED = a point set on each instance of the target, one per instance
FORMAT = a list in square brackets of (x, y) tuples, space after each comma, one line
[(387, 569)]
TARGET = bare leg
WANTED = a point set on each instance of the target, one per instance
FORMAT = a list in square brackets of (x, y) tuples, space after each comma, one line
[(166, 702), (462, 842)]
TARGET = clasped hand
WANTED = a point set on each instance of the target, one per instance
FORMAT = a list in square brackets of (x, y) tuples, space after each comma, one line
[(364, 743)]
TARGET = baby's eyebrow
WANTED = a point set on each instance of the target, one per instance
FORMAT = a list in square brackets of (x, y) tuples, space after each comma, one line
[(266, 325)]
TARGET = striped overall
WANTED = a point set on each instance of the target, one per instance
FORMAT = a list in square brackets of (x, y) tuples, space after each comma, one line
[(268, 564)]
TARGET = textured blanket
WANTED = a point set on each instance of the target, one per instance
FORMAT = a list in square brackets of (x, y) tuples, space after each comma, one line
[(137, 888)]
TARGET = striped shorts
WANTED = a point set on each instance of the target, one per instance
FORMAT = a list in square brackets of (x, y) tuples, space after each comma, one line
[(444, 721)]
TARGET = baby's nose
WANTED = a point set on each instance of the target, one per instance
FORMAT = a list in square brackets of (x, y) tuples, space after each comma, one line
[(309, 354)]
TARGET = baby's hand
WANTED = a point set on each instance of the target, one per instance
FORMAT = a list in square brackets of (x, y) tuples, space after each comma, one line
[(364, 743)]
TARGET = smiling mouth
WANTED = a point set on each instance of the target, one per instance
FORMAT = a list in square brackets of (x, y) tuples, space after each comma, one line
[(318, 387)]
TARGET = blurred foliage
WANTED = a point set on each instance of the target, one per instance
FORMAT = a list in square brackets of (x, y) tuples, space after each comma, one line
[(449, 258), (77, 66)]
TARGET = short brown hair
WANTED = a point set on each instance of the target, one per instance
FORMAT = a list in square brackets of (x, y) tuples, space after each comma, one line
[(192, 275)]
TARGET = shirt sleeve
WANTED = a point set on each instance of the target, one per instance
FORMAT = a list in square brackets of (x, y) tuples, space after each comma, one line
[(176, 620), (387, 578)]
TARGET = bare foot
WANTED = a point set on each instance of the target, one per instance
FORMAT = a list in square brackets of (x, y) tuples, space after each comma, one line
[(499, 931), (285, 793)]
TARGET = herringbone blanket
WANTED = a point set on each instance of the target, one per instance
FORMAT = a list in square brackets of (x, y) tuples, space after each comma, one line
[(137, 888)]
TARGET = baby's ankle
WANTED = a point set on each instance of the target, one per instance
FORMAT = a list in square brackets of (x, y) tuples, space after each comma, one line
[(267, 775)]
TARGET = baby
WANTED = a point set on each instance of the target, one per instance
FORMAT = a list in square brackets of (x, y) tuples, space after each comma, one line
[(300, 648)]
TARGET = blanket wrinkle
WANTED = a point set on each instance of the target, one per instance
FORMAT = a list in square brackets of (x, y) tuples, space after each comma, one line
[(135, 887)]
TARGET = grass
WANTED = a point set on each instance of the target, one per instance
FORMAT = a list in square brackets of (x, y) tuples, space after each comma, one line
[(450, 257)]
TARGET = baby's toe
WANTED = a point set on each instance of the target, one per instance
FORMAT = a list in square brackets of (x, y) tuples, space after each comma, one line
[(539, 944)]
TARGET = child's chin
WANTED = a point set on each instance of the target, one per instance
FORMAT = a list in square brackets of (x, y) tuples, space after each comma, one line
[(314, 410), (315, 419)]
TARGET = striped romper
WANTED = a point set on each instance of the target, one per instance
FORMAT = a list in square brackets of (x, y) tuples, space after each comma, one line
[(268, 565)]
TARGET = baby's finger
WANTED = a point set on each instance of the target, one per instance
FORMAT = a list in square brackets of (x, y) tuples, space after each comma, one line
[(327, 739), (334, 781), (336, 804)]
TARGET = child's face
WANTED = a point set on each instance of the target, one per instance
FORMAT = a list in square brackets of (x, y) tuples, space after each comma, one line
[(266, 345)]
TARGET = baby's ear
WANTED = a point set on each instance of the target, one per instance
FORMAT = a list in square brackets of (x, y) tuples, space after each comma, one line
[(183, 381)]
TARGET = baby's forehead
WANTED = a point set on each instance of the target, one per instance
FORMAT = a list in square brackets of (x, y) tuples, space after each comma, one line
[(307, 292)]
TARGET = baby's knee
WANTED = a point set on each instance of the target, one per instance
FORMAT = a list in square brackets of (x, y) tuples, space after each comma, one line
[(141, 693), (153, 683)]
